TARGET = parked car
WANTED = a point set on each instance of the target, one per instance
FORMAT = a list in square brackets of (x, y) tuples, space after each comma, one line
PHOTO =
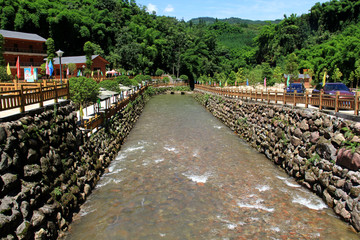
[(299, 87), (332, 88)]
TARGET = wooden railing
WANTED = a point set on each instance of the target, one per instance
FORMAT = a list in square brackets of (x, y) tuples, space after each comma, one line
[(31, 95), (16, 85), (169, 84), (101, 117), (321, 100)]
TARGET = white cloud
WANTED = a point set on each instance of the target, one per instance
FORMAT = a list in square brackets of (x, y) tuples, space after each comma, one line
[(151, 8), (169, 8)]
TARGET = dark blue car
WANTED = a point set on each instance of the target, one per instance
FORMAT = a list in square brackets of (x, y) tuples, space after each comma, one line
[(332, 88), (299, 87)]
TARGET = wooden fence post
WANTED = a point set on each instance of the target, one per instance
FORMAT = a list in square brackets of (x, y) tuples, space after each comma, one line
[(276, 96), (284, 97), (306, 99), (321, 99), (356, 107), (268, 96), (295, 92), (56, 95), (22, 99), (262, 95), (337, 101), (68, 90), (41, 97)]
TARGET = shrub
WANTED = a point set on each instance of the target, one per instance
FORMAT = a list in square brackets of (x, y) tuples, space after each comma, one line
[(166, 79), (122, 80), (83, 89), (159, 72), (185, 78), (134, 82), (182, 88), (147, 78), (110, 85), (4, 77), (139, 78)]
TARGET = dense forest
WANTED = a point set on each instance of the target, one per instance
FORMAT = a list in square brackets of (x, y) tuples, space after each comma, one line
[(327, 39)]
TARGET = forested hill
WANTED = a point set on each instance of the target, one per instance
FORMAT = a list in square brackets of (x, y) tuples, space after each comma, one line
[(327, 39), (233, 20)]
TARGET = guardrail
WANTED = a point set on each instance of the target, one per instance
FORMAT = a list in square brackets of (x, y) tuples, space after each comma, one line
[(321, 100), (31, 95), (100, 118)]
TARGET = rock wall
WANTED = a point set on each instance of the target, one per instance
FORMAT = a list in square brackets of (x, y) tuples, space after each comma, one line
[(48, 167), (320, 151)]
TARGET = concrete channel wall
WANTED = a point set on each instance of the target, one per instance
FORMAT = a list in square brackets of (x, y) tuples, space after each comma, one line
[(320, 151), (48, 167)]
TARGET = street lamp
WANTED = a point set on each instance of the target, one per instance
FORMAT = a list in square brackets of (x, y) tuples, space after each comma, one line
[(60, 53)]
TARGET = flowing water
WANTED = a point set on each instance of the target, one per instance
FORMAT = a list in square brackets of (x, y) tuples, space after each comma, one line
[(182, 174)]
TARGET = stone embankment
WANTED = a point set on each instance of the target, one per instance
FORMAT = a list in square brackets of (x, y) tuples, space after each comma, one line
[(320, 151), (48, 167)]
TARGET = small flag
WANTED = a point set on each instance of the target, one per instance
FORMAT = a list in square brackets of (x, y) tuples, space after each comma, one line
[(18, 67), (32, 71), (8, 71), (288, 80), (220, 83), (265, 82), (47, 68), (102, 73), (226, 83), (51, 68), (247, 82), (78, 74), (67, 71), (324, 79), (92, 73)]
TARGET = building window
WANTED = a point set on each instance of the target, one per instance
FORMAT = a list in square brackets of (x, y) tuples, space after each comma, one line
[(32, 61), (16, 47), (31, 48)]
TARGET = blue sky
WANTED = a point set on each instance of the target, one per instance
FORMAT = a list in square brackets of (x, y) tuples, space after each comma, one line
[(245, 9)]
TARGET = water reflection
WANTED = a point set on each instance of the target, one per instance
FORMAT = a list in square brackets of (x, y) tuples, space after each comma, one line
[(182, 174)]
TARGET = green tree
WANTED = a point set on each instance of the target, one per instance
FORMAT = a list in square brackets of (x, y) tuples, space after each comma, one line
[(159, 72), (278, 75), (232, 78), (50, 45), (255, 75), (72, 68), (83, 90), (336, 77), (88, 49), (291, 67), (2, 43), (267, 73), (240, 76)]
